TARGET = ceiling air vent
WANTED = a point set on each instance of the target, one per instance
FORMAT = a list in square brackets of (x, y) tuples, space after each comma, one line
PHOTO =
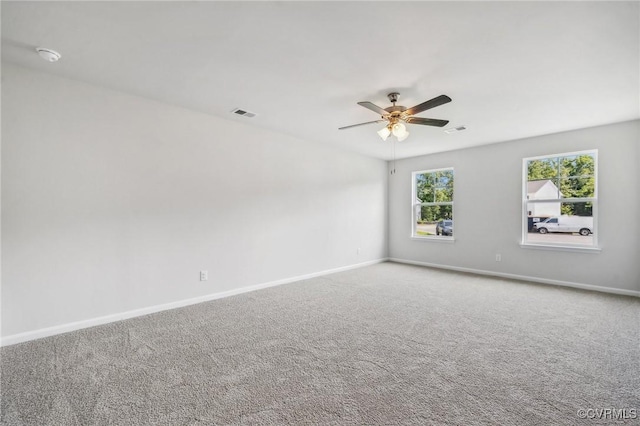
[(455, 129), (244, 112)]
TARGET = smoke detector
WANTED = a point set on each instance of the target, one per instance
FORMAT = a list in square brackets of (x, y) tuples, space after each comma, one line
[(455, 129), (48, 54)]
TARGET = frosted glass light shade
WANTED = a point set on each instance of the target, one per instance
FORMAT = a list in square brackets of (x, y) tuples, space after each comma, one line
[(399, 130), (384, 133), (403, 137)]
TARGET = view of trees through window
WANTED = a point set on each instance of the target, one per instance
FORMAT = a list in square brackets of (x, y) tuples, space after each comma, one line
[(433, 204), (560, 198)]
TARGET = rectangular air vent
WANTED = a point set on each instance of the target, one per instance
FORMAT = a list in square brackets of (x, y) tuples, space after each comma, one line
[(243, 112)]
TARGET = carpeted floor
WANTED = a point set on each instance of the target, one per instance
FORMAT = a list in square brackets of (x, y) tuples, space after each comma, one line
[(382, 345)]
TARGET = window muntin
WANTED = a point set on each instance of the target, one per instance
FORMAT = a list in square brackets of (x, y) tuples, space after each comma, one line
[(432, 195), (560, 189)]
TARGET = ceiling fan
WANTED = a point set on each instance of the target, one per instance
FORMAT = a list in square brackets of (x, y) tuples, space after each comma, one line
[(396, 116)]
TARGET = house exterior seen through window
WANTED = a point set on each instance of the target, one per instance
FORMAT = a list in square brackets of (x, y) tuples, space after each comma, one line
[(432, 205), (560, 200)]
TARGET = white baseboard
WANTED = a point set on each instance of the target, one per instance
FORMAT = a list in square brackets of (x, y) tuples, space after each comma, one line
[(65, 328), (522, 277)]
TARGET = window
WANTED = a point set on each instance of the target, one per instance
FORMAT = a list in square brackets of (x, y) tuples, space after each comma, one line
[(560, 200), (432, 204)]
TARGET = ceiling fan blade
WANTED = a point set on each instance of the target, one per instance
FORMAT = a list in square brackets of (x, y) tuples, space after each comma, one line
[(427, 121), (432, 103), (361, 124), (374, 108)]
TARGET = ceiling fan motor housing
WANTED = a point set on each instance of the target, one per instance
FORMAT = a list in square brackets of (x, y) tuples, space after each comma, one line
[(395, 111)]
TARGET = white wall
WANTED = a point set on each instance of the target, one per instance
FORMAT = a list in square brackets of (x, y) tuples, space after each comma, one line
[(488, 210), (112, 203)]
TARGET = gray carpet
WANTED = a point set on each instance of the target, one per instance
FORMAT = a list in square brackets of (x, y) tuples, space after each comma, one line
[(382, 345)]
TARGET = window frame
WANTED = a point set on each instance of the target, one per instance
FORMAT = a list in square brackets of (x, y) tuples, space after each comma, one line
[(564, 246), (414, 205)]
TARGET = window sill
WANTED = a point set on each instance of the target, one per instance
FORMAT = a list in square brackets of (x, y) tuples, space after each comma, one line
[(577, 249), (434, 239)]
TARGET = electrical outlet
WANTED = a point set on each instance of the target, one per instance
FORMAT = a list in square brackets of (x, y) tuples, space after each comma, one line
[(204, 275), (358, 250), (498, 258)]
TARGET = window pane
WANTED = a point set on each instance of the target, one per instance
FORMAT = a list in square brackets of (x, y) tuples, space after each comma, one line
[(434, 220), (546, 168), (424, 188), (578, 166), (560, 223), (578, 187)]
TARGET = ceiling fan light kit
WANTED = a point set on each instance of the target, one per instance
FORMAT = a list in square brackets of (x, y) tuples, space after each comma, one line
[(397, 116)]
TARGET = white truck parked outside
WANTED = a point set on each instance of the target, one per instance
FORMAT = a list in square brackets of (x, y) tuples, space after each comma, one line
[(580, 224)]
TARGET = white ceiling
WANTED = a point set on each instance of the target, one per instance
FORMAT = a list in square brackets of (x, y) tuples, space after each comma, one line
[(513, 69)]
